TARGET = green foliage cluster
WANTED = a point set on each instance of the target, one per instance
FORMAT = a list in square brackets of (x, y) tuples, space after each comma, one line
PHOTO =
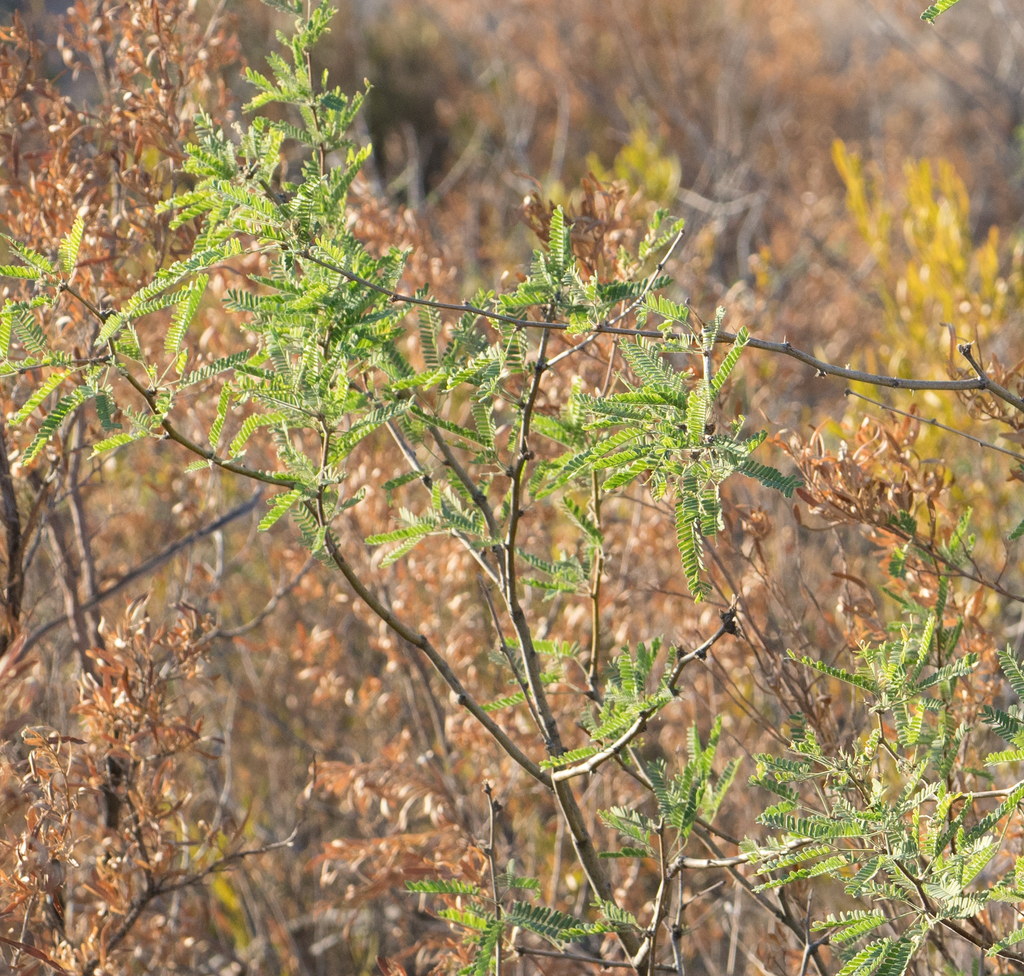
[(882, 816), (330, 362)]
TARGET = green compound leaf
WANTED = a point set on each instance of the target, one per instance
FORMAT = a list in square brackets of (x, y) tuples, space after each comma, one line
[(54, 419), (184, 313), (69, 247), (935, 9), (279, 506), (439, 887), (1017, 532)]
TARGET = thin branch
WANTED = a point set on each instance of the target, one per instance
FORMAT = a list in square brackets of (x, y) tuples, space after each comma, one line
[(81, 527), (14, 585), (649, 283), (507, 652), (607, 325), (227, 862), (659, 901), (604, 755), (932, 422), (522, 456), (810, 946), (683, 863), (279, 594), (640, 723), (783, 916), (479, 498), (463, 698), (67, 577), (428, 482), (204, 452), (784, 348), (409, 454), (149, 566), (566, 353), (493, 807), (150, 396), (593, 867), (677, 954), (139, 903), (728, 626), (595, 587), (579, 957), (990, 385)]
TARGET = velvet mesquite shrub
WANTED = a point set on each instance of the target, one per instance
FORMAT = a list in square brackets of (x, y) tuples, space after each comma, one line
[(331, 363), (497, 427)]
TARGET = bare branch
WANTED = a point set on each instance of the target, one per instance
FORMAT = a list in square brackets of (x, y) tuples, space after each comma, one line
[(605, 754), (14, 585), (990, 385), (493, 806), (507, 652), (932, 422), (595, 587), (522, 456), (479, 498), (440, 664), (149, 565), (282, 591), (80, 523), (579, 957)]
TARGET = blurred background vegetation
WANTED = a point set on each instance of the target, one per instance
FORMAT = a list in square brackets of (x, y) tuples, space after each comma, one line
[(852, 181)]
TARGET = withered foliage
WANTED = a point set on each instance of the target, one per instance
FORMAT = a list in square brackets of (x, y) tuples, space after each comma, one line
[(103, 828)]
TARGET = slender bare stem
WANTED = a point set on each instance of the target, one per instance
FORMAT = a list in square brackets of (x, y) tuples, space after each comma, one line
[(932, 422), (579, 957), (570, 772), (279, 594), (728, 626), (14, 584), (463, 698), (522, 456), (493, 807), (659, 900), (989, 385), (595, 588), (782, 915), (428, 482), (507, 653), (479, 498), (144, 569)]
